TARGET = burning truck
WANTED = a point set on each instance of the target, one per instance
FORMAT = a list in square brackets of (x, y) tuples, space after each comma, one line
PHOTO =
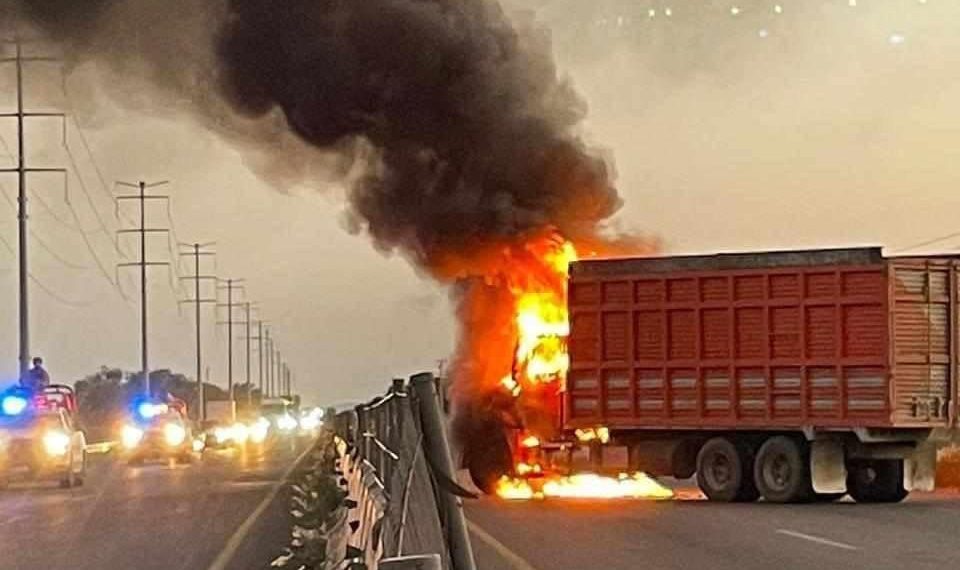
[(460, 145), (792, 376)]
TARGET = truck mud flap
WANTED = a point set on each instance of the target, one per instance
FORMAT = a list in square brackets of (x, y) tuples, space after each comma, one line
[(828, 470), (920, 468)]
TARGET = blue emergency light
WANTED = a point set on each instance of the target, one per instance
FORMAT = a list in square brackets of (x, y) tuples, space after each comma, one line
[(146, 410), (13, 405)]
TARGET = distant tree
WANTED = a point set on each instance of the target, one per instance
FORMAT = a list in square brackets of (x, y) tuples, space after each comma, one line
[(105, 397)]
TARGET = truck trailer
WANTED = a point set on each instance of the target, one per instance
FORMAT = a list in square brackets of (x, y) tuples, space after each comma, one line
[(791, 375)]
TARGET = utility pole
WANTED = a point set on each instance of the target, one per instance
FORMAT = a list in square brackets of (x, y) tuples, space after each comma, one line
[(232, 284), (198, 250), (269, 364), (249, 307), (259, 338), (260, 353), (143, 230), (249, 386), (279, 375), (19, 59)]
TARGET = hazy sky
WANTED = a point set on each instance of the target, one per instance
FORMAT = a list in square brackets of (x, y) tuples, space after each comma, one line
[(734, 126)]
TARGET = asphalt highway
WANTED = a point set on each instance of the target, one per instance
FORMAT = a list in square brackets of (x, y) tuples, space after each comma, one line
[(692, 534), (155, 517), (228, 511)]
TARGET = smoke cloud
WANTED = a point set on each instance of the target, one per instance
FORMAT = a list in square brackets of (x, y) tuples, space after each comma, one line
[(458, 137), (465, 131)]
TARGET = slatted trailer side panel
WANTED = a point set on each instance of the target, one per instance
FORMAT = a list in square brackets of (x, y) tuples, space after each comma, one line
[(745, 341), (923, 294)]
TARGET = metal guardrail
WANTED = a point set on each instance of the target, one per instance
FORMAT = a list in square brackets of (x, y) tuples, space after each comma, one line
[(396, 445)]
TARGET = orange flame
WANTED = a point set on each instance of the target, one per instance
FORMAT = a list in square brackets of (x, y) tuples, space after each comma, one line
[(541, 361), (531, 441), (583, 485), (542, 322)]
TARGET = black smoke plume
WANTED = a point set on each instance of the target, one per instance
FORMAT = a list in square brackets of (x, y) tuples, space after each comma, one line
[(466, 136), (470, 132)]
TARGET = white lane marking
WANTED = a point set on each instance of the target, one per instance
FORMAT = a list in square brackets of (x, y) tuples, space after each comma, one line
[(510, 556), (817, 539), (232, 545)]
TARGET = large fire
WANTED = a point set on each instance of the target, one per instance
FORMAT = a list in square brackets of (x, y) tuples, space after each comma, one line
[(541, 362), (543, 324)]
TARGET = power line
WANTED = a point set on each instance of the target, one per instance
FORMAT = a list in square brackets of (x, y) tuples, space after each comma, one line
[(86, 193), (40, 285), (53, 214), (53, 253), (100, 266), (928, 242), (104, 187), (6, 148), (43, 245)]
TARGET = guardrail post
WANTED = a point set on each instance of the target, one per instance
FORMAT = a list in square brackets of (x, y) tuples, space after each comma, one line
[(362, 442), (437, 448), (395, 437)]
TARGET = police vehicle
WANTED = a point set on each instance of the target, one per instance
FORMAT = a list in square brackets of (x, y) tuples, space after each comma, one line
[(39, 438), (158, 431)]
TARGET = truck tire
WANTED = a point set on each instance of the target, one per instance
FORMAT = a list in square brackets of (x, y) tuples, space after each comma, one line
[(723, 472), (487, 461), (782, 470), (876, 481)]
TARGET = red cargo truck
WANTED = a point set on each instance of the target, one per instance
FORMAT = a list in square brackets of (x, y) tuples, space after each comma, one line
[(791, 375)]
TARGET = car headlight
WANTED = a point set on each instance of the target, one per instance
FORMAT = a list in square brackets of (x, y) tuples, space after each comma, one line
[(222, 434), (131, 436), (174, 434), (56, 443), (286, 423), (309, 423), (259, 430), (240, 433)]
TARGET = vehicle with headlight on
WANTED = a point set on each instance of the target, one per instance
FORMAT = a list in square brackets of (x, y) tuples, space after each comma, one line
[(39, 442), (157, 431), (310, 422), (282, 415), (221, 428)]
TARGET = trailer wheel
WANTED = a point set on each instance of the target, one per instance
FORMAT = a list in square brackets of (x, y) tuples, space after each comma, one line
[(488, 460), (723, 472), (876, 481), (782, 470)]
